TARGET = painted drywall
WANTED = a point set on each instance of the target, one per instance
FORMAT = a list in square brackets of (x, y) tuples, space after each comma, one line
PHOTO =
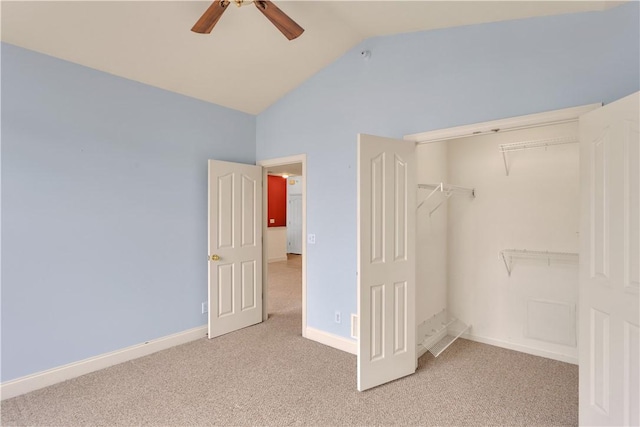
[(430, 80), (104, 209), (431, 238), (535, 208), (104, 179), (277, 201), (277, 244)]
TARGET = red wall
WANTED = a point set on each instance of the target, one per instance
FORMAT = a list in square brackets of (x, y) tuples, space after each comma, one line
[(277, 201)]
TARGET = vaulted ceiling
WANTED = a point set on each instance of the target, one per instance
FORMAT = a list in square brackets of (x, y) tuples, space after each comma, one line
[(245, 63)]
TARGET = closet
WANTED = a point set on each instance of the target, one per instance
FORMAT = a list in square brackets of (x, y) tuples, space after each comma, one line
[(497, 218), (491, 231)]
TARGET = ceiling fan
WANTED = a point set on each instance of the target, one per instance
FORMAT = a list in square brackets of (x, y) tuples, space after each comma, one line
[(211, 16)]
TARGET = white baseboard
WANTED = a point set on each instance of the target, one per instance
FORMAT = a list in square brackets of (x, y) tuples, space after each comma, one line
[(420, 350), (282, 258), (523, 349), (49, 377), (335, 341)]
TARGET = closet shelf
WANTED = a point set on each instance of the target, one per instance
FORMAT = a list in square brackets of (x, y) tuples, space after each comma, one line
[(527, 145), (441, 331), (509, 254), (447, 190)]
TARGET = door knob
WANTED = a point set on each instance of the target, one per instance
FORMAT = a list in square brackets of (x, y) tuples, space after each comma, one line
[(214, 257)]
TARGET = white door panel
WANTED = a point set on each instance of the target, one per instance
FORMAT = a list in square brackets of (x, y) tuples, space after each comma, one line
[(386, 260), (609, 262), (235, 246)]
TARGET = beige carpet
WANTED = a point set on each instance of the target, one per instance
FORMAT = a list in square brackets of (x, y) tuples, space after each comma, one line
[(269, 375)]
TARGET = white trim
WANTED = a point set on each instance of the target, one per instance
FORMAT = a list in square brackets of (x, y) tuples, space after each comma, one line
[(513, 123), (49, 377), (335, 341), (522, 348), (354, 326), (503, 125), (421, 351), (300, 158)]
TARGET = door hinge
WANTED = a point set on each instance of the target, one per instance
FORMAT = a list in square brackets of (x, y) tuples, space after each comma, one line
[(354, 326)]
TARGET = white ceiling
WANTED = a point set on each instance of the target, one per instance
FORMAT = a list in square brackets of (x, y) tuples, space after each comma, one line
[(245, 63), (294, 169)]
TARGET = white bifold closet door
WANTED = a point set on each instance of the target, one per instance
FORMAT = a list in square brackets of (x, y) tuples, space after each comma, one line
[(609, 265), (386, 260)]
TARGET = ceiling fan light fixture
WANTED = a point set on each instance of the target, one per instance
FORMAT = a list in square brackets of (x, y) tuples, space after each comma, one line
[(211, 16), (286, 25), (241, 3)]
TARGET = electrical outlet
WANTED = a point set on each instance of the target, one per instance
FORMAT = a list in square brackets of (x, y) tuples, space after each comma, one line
[(311, 239), (337, 318), (205, 307)]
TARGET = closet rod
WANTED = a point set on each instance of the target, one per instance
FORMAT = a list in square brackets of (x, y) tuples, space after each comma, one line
[(447, 189)]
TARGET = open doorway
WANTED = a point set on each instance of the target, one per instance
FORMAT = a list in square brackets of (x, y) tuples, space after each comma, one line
[(284, 228)]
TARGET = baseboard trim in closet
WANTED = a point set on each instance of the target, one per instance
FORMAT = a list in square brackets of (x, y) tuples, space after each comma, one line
[(421, 351), (522, 348)]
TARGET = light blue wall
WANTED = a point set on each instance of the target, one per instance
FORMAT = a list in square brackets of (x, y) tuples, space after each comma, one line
[(429, 80), (104, 198), (104, 179)]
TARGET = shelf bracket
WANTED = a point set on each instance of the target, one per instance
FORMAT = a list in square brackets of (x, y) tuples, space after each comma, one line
[(435, 190), (446, 197), (447, 190), (506, 165), (507, 264)]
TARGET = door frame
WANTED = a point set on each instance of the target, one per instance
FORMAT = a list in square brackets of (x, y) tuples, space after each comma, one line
[(547, 118), (281, 161)]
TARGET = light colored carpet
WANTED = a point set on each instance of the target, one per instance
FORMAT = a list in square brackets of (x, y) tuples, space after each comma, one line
[(269, 375)]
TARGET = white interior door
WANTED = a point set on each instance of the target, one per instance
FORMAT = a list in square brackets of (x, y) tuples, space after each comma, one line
[(609, 265), (294, 224), (235, 246), (386, 260)]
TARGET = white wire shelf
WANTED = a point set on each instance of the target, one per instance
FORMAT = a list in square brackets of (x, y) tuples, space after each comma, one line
[(440, 331), (528, 145), (447, 190), (508, 256)]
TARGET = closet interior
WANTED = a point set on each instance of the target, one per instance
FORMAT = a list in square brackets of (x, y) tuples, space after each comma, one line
[(497, 243)]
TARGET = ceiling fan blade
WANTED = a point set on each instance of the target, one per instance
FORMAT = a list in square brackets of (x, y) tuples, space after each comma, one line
[(211, 17), (286, 25)]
